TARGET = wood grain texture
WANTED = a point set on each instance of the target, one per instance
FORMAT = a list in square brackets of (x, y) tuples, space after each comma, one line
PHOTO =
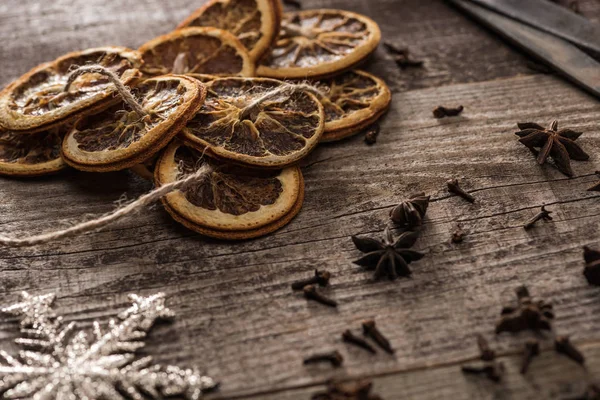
[(238, 318)]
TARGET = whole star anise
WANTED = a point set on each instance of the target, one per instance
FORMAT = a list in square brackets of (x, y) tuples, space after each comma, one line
[(389, 257), (410, 213), (560, 145)]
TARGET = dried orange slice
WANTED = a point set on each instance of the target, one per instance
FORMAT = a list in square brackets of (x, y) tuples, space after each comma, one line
[(231, 202), (196, 50), (34, 154), (255, 22), (234, 125), (320, 43), (37, 100), (352, 101), (119, 137)]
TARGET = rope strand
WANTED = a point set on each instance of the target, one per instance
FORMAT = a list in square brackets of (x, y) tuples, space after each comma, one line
[(98, 223), (113, 78)]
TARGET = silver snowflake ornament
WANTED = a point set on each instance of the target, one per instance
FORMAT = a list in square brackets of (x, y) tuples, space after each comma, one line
[(59, 363)]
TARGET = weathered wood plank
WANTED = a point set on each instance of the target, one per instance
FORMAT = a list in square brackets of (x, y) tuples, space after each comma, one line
[(455, 50), (550, 376), (237, 316)]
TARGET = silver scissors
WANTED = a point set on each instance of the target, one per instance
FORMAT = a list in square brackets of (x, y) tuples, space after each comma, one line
[(560, 38)]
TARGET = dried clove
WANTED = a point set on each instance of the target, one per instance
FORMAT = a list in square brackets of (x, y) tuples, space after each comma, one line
[(563, 345), (535, 316), (395, 50), (321, 278), (492, 370), (359, 390), (592, 265), (543, 214), (371, 134), (459, 235), (405, 62), (595, 187), (402, 56), (410, 213), (334, 357), (311, 293), (486, 353), (370, 330), (453, 187), (532, 349), (441, 111), (351, 338)]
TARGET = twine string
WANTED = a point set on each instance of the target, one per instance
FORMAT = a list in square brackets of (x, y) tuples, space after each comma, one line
[(119, 213), (113, 78)]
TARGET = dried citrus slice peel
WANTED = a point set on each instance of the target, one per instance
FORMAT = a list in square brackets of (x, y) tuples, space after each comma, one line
[(352, 101), (256, 23), (257, 122), (37, 101), (196, 50), (34, 154), (121, 137), (232, 202), (320, 43), (204, 78)]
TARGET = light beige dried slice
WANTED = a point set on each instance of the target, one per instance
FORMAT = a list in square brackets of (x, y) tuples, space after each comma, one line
[(231, 202), (197, 51), (274, 133), (256, 23), (119, 138), (353, 101), (33, 154), (37, 101), (320, 43)]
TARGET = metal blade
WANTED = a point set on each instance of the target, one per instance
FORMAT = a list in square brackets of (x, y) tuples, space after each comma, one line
[(552, 18), (566, 58)]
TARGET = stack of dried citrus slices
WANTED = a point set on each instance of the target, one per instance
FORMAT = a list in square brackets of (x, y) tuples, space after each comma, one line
[(239, 86)]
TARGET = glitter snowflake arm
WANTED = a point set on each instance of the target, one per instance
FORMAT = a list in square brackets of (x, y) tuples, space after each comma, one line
[(68, 365)]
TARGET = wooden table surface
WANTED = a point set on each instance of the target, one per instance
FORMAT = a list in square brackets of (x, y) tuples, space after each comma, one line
[(238, 319)]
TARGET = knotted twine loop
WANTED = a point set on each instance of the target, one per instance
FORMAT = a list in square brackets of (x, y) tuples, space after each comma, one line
[(98, 223), (113, 78)]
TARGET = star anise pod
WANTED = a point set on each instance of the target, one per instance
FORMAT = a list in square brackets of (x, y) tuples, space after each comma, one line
[(592, 265), (560, 145), (410, 213), (388, 257), (535, 316)]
